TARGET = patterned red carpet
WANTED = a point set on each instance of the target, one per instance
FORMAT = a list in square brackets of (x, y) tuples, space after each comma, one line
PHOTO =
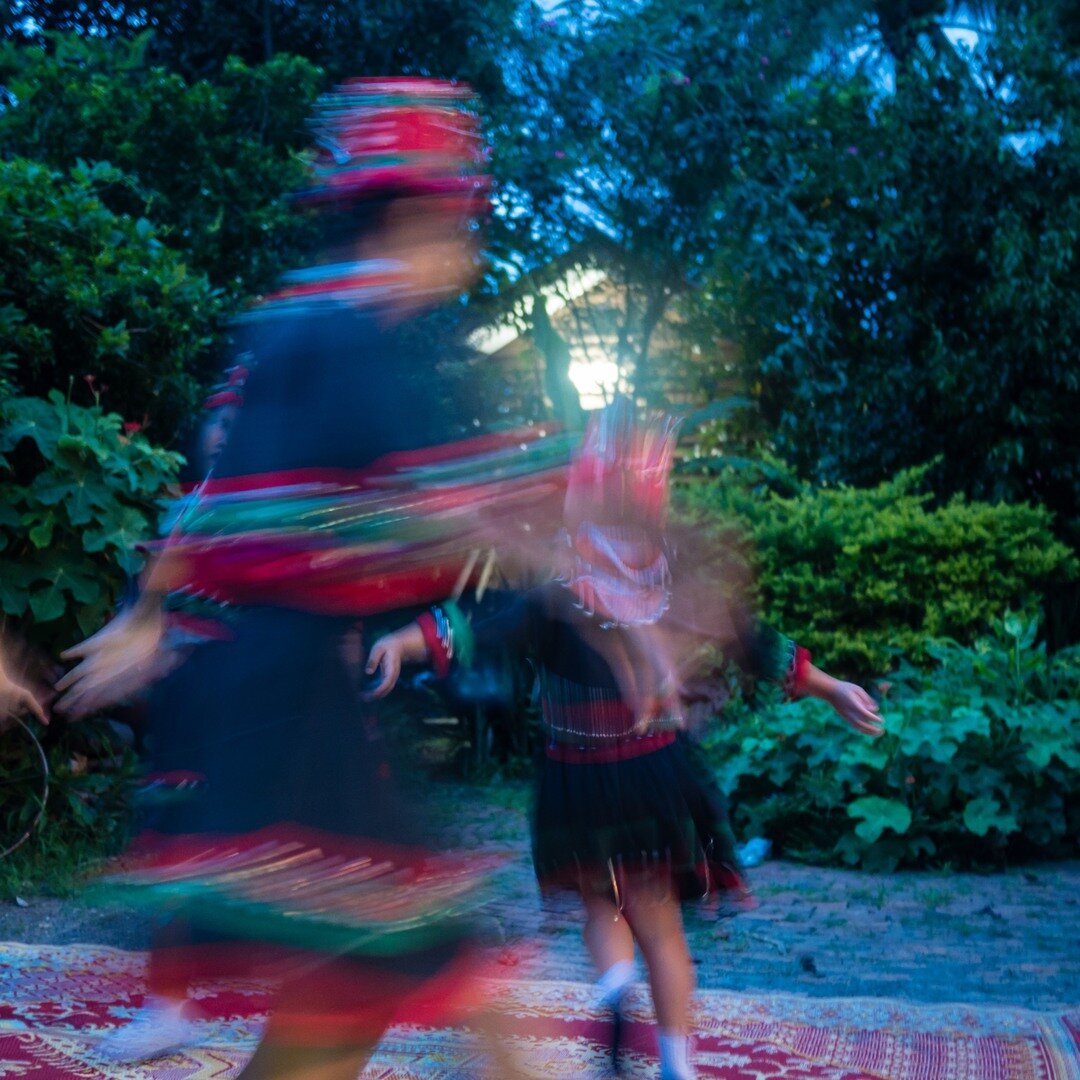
[(57, 1002)]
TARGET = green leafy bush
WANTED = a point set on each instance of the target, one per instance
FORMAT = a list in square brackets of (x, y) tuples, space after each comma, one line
[(77, 492), (88, 291), (862, 575), (88, 811), (900, 276), (980, 763), (210, 163)]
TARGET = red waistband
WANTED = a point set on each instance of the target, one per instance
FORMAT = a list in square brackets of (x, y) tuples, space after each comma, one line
[(622, 750)]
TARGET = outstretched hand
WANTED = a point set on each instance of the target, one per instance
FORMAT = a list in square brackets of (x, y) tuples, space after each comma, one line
[(385, 657), (17, 699), (118, 661), (856, 707)]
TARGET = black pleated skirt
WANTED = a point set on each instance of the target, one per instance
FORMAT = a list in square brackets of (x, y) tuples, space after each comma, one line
[(657, 814)]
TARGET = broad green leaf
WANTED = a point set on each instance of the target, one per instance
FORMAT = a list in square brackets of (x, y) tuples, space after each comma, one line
[(47, 603), (877, 815), (985, 813), (966, 721), (41, 534), (873, 753), (30, 418), (15, 579)]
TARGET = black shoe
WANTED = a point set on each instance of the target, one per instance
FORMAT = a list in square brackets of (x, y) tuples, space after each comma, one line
[(616, 1039)]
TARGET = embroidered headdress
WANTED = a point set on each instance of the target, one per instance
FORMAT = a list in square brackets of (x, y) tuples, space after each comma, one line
[(615, 512), (398, 136), (229, 392)]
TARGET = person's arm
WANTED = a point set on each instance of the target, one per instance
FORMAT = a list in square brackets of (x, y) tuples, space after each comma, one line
[(17, 698), (389, 653), (444, 637), (125, 655), (854, 705), (764, 652)]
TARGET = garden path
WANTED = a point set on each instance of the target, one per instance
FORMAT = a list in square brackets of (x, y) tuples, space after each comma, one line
[(1001, 938), (1005, 938)]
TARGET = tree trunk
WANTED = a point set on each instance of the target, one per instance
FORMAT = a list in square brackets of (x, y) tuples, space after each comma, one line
[(654, 312), (560, 391)]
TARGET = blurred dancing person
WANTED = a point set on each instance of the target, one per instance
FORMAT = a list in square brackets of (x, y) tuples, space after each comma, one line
[(296, 841), (624, 815)]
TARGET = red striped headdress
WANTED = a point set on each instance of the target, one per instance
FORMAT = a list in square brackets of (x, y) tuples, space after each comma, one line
[(393, 136), (230, 392)]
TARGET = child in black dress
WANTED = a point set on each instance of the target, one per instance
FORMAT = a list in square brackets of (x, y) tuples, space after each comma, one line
[(623, 814)]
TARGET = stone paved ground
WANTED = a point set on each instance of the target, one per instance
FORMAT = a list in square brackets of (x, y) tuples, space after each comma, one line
[(1004, 938), (1007, 938)]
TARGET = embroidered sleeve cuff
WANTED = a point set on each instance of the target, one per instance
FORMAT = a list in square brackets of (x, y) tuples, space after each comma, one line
[(439, 646), (795, 679)]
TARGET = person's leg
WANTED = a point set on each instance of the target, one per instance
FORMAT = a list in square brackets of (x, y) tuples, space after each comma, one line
[(503, 1061), (169, 971), (164, 1022), (281, 1056), (611, 946), (327, 1016), (656, 920), (607, 934), (277, 1060)]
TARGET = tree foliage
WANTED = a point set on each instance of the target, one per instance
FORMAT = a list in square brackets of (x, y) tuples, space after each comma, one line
[(465, 39), (87, 292), (77, 492), (898, 268), (890, 248), (636, 119), (211, 164), (862, 575)]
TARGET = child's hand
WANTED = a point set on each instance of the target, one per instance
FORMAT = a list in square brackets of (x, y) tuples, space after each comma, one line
[(856, 707), (16, 699), (385, 657)]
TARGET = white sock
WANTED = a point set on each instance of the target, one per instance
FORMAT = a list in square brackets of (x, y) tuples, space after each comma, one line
[(614, 982), (675, 1056), (157, 1028), (167, 1006)]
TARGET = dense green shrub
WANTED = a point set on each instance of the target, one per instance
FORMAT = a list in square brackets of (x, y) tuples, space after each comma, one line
[(78, 489), (88, 811), (898, 268), (981, 762), (210, 163), (862, 575), (87, 291), (77, 492)]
